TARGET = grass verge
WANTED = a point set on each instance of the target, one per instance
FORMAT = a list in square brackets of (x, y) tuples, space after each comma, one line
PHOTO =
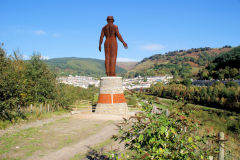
[(30, 117)]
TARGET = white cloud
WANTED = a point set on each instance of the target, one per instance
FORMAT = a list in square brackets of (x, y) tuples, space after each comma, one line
[(39, 32), (44, 57), (126, 60), (153, 47)]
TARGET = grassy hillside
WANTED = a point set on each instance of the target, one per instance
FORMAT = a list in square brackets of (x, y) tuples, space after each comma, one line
[(180, 63), (126, 65), (79, 66)]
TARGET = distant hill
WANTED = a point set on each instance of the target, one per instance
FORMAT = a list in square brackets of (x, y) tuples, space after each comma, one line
[(126, 65), (79, 66), (179, 63)]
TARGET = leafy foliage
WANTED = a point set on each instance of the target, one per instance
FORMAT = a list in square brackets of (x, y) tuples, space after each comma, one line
[(154, 136), (40, 81), (224, 66), (217, 95), (32, 82)]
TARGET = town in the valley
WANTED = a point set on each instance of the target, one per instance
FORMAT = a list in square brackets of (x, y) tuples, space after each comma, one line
[(128, 83)]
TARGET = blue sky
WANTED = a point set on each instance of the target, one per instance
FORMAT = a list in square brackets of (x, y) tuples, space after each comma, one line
[(71, 28)]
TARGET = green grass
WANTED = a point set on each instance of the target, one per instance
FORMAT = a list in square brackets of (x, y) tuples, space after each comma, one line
[(30, 117), (11, 159), (82, 105), (161, 106), (11, 142), (4, 124), (217, 118)]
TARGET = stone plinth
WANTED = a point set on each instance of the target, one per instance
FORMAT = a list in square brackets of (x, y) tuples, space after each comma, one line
[(111, 99)]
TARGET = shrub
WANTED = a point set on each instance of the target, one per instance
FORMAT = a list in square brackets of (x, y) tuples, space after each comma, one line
[(153, 136)]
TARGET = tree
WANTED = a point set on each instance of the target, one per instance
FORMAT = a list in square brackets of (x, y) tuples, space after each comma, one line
[(11, 84), (41, 81), (233, 72), (187, 82)]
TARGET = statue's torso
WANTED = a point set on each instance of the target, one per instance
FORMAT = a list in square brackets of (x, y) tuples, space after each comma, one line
[(110, 31)]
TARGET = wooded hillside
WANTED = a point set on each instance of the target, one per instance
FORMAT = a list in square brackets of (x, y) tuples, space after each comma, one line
[(179, 63)]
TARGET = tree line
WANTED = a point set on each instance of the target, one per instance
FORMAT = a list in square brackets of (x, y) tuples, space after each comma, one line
[(32, 82), (218, 95)]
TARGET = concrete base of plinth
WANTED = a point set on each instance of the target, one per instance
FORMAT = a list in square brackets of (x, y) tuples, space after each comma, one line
[(111, 98), (117, 108)]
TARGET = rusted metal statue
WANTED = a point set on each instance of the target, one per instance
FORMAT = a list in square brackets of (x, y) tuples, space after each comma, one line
[(110, 31)]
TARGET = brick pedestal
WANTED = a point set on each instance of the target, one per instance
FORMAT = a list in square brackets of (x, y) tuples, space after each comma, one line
[(111, 99)]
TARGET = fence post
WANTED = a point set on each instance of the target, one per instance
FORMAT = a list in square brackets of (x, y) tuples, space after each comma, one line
[(167, 112), (48, 107), (210, 157), (31, 107), (221, 146), (185, 129), (41, 107), (18, 108)]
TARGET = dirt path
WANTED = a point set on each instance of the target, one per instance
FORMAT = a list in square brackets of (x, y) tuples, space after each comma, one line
[(57, 138), (82, 146)]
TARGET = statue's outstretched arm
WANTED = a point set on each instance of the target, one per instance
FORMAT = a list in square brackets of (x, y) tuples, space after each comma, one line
[(120, 38), (101, 40)]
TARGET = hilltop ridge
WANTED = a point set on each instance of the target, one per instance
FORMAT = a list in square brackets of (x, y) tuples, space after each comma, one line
[(179, 63), (79, 66)]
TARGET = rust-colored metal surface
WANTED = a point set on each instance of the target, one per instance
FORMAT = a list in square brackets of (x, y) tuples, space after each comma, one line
[(110, 31), (111, 98)]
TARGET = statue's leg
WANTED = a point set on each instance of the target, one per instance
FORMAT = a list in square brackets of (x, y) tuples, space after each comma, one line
[(107, 61), (113, 65), (113, 59)]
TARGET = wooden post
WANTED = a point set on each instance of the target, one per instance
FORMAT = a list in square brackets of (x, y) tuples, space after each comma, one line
[(31, 107), (41, 107), (48, 107), (210, 157), (125, 114), (185, 129), (167, 112), (221, 146), (18, 108)]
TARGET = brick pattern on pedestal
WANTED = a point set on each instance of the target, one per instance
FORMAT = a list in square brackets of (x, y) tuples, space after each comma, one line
[(111, 99)]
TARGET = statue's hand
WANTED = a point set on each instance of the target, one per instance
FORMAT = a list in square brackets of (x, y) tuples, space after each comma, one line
[(100, 48), (125, 45)]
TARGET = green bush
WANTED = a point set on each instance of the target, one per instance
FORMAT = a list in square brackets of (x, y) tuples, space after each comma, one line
[(153, 136), (132, 101)]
